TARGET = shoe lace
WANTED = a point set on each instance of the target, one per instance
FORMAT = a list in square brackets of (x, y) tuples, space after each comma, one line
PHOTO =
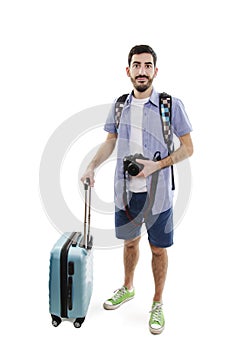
[(119, 293), (156, 312)]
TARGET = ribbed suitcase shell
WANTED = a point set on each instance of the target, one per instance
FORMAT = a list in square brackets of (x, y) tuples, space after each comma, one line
[(81, 261)]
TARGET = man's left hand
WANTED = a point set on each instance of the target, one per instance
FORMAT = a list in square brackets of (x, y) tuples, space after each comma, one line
[(149, 167)]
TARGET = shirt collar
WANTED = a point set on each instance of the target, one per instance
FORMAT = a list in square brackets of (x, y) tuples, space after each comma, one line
[(154, 98)]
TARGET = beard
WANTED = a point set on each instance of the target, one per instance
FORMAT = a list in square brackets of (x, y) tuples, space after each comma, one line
[(142, 86)]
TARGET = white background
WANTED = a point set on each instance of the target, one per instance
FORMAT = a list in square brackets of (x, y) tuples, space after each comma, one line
[(60, 57)]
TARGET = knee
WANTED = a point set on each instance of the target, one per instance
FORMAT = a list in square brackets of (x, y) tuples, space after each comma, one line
[(131, 244), (158, 251)]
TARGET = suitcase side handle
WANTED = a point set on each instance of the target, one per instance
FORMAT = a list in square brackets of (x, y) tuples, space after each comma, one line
[(75, 239)]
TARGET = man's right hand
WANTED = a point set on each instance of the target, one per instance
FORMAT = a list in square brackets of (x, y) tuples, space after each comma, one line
[(88, 174)]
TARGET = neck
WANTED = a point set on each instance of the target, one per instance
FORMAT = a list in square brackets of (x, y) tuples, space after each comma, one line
[(144, 94)]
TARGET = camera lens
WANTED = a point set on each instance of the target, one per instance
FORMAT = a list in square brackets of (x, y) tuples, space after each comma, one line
[(133, 169)]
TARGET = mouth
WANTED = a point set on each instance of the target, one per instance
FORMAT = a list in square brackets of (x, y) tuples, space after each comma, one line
[(141, 79)]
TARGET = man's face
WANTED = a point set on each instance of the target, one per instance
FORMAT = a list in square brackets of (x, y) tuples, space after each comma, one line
[(142, 71)]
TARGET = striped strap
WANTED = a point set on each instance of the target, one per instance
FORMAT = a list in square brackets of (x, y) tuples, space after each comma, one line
[(165, 104), (166, 118)]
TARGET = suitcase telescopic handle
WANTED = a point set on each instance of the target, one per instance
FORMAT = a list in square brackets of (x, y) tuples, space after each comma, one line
[(87, 210), (86, 183)]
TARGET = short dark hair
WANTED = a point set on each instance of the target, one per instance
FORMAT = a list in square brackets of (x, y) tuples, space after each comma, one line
[(138, 49)]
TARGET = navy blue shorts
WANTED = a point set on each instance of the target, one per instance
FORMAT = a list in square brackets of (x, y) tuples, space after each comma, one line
[(159, 227)]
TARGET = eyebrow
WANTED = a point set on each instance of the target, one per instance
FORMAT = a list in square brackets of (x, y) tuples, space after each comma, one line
[(137, 62)]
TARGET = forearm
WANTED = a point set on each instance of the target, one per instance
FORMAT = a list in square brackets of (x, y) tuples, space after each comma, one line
[(184, 151), (180, 154), (102, 154)]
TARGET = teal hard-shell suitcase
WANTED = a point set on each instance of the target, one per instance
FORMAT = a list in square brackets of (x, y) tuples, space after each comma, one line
[(71, 274)]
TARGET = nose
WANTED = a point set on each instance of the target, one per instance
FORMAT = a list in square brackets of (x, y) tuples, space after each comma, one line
[(142, 70)]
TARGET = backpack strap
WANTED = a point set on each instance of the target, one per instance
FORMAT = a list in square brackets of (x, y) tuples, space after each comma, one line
[(165, 106), (119, 107)]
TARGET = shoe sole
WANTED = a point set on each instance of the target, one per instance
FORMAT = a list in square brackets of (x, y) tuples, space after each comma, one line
[(113, 307), (156, 331)]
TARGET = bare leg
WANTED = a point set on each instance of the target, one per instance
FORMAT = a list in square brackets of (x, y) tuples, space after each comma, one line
[(159, 269), (131, 257)]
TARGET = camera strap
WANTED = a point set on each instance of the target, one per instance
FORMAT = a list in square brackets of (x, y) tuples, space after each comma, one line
[(150, 198), (154, 183), (126, 205)]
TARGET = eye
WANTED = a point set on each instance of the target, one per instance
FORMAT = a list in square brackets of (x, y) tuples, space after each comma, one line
[(136, 66)]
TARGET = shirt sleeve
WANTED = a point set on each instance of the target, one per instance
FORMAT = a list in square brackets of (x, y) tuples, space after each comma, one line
[(180, 121), (110, 125)]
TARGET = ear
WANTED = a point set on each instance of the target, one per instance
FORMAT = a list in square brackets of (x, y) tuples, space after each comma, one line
[(128, 71), (156, 72)]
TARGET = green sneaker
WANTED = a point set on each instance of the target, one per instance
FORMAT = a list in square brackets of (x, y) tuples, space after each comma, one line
[(156, 323), (120, 297)]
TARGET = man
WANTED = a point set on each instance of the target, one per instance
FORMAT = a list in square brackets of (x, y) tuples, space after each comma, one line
[(140, 131)]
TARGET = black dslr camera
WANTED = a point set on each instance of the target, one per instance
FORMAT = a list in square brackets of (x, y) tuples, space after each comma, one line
[(130, 164)]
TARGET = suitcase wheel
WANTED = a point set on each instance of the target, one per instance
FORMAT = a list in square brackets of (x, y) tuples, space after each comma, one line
[(78, 322), (56, 320)]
